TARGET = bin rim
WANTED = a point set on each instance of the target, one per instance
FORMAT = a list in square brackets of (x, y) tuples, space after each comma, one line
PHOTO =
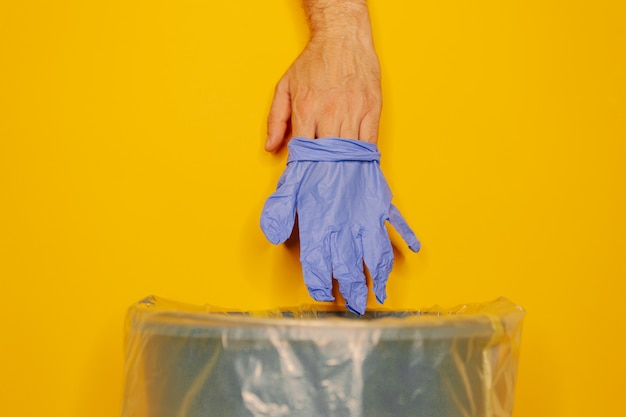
[(155, 312)]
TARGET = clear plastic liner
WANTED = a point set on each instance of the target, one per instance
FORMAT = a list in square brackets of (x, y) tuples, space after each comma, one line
[(193, 361)]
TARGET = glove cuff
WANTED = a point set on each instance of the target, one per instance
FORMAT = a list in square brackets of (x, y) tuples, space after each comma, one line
[(331, 150)]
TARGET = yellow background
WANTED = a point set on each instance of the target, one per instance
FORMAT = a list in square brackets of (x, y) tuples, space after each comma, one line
[(131, 163)]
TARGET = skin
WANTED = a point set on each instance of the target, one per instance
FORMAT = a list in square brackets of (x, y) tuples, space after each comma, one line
[(333, 88)]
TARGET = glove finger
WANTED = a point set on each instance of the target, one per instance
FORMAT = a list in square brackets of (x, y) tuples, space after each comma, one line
[(279, 211), (398, 222), (378, 256), (347, 262), (316, 266)]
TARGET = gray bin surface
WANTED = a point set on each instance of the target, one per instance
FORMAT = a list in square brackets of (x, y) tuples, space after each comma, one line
[(197, 362)]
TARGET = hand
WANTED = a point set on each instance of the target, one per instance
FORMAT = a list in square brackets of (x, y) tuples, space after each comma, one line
[(333, 87)]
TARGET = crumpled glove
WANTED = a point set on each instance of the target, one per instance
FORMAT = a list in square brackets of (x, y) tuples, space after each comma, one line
[(342, 200)]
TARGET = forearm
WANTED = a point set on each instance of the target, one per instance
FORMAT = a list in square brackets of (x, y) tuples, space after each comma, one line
[(336, 19)]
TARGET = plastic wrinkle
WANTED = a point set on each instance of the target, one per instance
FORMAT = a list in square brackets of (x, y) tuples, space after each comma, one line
[(192, 361)]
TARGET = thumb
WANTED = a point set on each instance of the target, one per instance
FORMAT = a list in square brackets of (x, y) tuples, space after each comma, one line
[(398, 222), (279, 117)]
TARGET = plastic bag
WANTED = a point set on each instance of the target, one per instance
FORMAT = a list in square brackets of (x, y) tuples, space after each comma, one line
[(192, 361)]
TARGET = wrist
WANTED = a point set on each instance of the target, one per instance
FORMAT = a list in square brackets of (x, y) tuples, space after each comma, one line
[(332, 20)]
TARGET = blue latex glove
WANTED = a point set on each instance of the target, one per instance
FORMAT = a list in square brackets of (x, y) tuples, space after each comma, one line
[(342, 200)]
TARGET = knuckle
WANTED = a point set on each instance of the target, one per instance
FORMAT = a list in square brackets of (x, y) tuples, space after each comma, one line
[(302, 105)]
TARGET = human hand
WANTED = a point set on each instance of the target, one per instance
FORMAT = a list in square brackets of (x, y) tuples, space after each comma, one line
[(333, 87)]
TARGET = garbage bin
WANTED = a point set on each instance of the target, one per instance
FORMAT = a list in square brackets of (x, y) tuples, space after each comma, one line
[(193, 361)]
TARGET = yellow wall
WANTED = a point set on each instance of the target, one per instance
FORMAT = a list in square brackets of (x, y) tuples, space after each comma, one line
[(131, 163)]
